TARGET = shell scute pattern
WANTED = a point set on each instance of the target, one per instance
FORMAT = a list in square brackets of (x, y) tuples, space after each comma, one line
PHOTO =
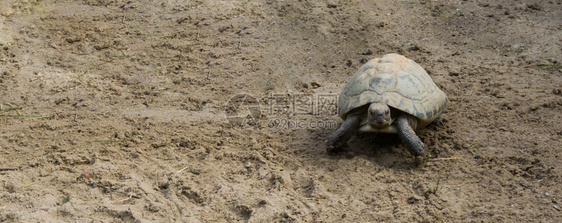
[(399, 82), (408, 87), (385, 82)]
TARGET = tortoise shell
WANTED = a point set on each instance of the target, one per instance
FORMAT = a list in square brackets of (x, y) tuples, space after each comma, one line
[(397, 81)]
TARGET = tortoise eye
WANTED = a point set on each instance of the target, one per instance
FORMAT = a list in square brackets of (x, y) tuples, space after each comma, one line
[(386, 112)]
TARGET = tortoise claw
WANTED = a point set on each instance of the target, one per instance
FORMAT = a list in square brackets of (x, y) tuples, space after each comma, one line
[(337, 139)]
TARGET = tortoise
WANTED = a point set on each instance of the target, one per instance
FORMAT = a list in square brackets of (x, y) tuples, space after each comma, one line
[(392, 94)]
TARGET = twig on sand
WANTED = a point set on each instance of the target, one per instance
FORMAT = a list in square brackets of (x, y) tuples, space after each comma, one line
[(182, 169), (111, 190), (156, 35), (126, 199), (8, 169), (19, 115), (112, 141), (25, 116), (4, 207), (448, 158)]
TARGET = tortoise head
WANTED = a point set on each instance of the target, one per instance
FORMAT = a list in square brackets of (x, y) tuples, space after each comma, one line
[(378, 115)]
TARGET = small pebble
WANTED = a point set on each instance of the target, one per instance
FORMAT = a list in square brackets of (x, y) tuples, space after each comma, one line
[(556, 207), (414, 199), (315, 85), (546, 193)]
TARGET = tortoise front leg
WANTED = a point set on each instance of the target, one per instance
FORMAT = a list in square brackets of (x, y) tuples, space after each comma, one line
[(338, 138), (406, 125)]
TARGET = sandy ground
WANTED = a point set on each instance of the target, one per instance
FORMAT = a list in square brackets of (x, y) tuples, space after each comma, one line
[(120, 111)]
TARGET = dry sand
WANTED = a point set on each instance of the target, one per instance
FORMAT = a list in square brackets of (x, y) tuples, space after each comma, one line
[(117, 111)]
